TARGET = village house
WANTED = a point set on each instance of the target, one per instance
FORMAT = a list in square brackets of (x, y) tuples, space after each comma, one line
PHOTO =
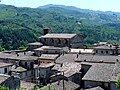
[(68, 71), (23, 64), (105, 50), (87, 58), (20, 59), (103, 75), (62, 40), (48, 50), (43, 73), (98, 75), (24, 74), (34, 45), (5, 68), (47, 58)]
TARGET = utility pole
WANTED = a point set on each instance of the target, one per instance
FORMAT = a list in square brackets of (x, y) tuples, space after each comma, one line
[(63, 81)]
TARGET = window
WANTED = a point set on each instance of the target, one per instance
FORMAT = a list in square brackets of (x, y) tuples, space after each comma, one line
[(66, 41), (31, 65), (45, 39), (113, 52), (96, 51), (20, 63), (51, 40), (106, 52), (5, 70), (26, 64), (32, 72), (101, 51), (59, 41)]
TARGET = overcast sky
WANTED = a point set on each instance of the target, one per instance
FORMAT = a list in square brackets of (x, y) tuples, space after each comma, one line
[(102, 5)]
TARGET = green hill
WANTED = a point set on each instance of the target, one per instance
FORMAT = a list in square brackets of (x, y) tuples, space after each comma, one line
[(18, 26)]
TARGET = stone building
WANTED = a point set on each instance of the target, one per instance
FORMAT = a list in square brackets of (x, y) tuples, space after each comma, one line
[(44, 72), (34, 45), (62, 40), (105, 50), (48, 50), (68, 71), (5, 68), (103, 75)]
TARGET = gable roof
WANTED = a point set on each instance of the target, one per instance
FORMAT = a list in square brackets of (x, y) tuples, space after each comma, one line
[(5, 64), (87, 58), (21, 56), (105, 47), (46, 65), (19, 69), (58, 36), (68, 85), (116, 72), (95, 88), (99, 72), (36, 43), (48, 57), (47, 48), (69, 69)]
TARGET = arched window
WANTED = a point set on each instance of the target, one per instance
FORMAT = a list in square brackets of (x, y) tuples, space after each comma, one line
[(66, 41), (20, 63), (59, 41), (51, 40), (101, 51)]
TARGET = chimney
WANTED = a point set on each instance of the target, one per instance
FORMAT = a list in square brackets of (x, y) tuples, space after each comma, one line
[(77, 55), (117, 60), (45, 31)]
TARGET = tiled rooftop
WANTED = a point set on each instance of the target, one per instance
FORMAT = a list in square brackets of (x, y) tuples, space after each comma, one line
[(48, 56), (5, 64), (105, 47), (46, 65), (95, 88), (68, 85), (47, 47), (19, 69), (99, 72), (87, 58), (86, 51), (68, 68), (58, 36), (35, 43), (14, 56)]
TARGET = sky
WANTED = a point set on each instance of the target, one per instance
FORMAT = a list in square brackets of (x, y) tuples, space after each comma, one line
[(102, 5)]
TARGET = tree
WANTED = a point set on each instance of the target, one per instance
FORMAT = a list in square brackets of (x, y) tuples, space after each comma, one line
[(118, 83), (4, 88)]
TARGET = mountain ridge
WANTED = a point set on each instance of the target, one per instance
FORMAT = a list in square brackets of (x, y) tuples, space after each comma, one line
[(75, 8)]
